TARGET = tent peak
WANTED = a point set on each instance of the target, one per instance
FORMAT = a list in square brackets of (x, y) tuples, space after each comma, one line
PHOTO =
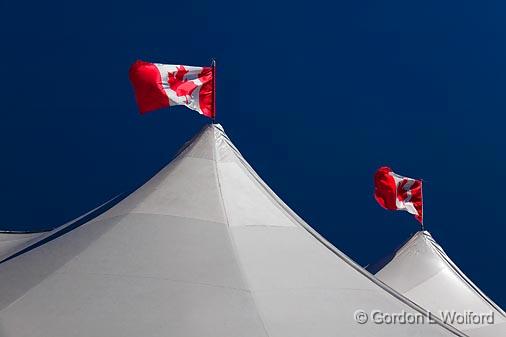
[(422, 271), (204, 248)]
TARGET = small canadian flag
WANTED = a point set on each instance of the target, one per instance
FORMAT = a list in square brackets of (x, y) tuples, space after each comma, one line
[(395, 192), (158, 86)]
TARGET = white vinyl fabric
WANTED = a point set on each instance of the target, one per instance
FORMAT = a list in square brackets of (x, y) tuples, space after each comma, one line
[(421, 271), (204, 249), (11, 242)]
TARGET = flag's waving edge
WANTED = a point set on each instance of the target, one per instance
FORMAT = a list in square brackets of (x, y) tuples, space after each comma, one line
[(395, 192), (162, 85)]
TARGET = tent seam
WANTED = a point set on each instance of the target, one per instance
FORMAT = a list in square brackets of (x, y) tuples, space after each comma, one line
[(291, 214), (453, 267), (227, 225)]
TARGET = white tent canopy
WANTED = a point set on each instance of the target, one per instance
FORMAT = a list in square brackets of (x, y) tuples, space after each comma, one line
[(204, 248), (12, 242), (421, 271)]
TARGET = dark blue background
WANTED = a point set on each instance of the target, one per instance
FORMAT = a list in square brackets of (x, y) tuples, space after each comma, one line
[(316, 96)]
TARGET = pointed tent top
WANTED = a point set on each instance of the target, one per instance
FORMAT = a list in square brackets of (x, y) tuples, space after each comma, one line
[(204, 248), (422, 271)]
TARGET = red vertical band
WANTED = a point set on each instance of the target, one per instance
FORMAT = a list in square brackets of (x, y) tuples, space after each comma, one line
[(214, 89), (147, 83), (385, 188)]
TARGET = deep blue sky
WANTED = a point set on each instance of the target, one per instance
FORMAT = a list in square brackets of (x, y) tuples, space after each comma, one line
[(315, 95)]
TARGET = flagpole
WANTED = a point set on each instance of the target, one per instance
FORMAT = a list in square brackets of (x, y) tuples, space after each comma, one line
[(214, 89), (423, 214)]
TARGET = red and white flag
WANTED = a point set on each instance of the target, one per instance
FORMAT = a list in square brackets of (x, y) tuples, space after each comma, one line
[(395, 192), (162, 85)]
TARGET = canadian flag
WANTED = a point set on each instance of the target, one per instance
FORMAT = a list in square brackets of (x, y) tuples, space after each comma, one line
[(162, 85), (395, 192)]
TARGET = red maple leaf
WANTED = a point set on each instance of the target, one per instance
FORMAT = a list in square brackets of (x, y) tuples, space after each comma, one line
[(179, 85)]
